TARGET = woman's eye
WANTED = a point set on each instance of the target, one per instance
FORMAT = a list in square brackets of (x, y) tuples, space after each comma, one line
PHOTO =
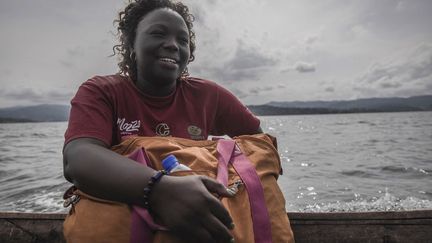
[(157, 33), (184, 40)]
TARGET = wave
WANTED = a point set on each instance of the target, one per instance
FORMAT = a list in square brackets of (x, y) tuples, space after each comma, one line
[(367, 122), (401, 169), (392, 170), (39, 135), (387, 202), (359, 173)]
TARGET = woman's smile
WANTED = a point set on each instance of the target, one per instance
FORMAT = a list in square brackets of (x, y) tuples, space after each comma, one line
[(168, 62)]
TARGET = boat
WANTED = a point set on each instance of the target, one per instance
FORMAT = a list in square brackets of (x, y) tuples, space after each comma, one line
[(390, 227)]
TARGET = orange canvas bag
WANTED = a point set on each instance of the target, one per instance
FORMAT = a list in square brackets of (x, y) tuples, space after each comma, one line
[(258, 208)]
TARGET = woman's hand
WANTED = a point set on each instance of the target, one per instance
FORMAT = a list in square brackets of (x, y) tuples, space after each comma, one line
[(187, 207)]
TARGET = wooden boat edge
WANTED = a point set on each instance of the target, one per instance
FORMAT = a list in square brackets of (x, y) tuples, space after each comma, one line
[(392, 226), (413, 214)]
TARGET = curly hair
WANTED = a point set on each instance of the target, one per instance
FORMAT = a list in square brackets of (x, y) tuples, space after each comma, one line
[(128, 20)]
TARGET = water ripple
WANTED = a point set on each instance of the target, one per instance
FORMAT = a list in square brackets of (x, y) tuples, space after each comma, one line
[(359, 173)]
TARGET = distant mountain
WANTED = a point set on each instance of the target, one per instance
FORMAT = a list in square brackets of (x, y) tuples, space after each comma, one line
[(45, 113), (38, 113), (416, 103)]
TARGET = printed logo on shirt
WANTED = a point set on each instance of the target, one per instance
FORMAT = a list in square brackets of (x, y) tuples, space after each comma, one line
[(162, 129), (128, 128), (195, 132)]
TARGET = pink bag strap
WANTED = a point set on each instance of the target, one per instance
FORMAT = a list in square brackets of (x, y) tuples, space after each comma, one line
[(225, 153), (142, 222), (247, 172)]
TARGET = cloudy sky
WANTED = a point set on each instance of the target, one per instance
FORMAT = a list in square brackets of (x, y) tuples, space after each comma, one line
[(261, 50)]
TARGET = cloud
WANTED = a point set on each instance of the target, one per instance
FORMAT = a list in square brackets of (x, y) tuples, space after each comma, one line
[(5, 74), (72, 56), (401, 6), (77, 51), (301, 67), (66, 64), (329, 89), (239, 93), (359, 31), (32, 96), (258, 90), (309, 40), (304, 67), (411, 74), (248, 63), (385, 85)]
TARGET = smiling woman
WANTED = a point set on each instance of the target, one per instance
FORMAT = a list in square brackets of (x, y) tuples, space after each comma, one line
[(153, 95), (132, 30)]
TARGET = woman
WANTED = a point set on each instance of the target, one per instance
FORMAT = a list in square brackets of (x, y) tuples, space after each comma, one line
[(153, 96)]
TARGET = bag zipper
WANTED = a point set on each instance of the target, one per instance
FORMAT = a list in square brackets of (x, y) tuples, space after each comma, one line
[(74, 199), (234, 187)]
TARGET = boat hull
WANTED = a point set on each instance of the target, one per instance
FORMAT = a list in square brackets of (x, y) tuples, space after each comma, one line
[(404, 226)]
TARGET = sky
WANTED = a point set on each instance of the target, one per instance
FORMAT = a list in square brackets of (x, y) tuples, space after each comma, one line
[(261, 50)]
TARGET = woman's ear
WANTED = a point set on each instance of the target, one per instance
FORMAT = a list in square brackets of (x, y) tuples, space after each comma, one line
[(132, 55), (131, 49)]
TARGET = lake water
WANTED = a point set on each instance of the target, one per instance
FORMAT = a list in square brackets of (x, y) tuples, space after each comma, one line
[(342, 162)]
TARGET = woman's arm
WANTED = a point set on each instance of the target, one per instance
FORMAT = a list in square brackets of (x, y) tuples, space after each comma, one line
[(183, 204), (100, 172)]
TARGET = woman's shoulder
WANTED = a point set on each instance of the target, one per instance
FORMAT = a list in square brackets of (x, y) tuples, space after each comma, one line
[(107, 80), (200, 83), (206, 86)]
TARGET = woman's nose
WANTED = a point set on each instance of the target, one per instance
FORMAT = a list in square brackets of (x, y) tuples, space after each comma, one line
[(171, 43)]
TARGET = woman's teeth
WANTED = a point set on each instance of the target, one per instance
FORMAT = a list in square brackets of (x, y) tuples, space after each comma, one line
[(168, 60)]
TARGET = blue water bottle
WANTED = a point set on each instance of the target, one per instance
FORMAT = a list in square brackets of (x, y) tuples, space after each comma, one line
[(171, 164)]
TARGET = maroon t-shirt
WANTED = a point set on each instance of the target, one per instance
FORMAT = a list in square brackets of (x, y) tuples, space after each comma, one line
[(111, 108)]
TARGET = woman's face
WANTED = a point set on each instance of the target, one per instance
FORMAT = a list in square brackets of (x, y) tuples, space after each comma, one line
[(161, 47)]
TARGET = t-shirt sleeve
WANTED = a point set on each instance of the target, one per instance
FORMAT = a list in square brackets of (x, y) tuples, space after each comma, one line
[(232, 117), (91, 114)]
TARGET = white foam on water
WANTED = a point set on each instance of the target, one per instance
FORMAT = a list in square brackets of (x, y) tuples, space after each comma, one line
[(387, 202), (42, 202), (49, 202)]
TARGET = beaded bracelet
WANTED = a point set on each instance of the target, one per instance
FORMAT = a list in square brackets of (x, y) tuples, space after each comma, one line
[(148, 189)]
